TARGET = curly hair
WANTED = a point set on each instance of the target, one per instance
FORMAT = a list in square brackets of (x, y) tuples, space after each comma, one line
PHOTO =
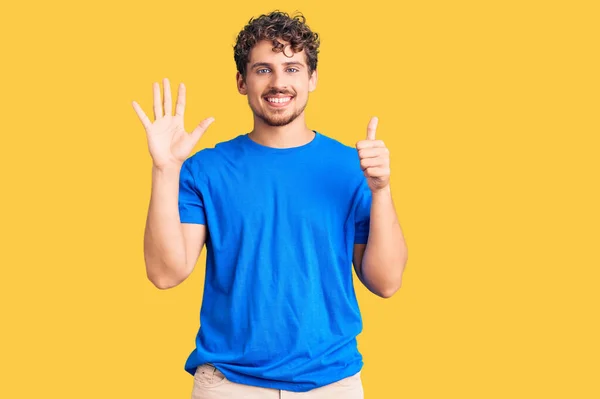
[(274, 26)]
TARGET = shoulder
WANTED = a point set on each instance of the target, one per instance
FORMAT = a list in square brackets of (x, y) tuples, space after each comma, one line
[(338, 146), (343, 155), (343, 164), (213, 156), (209, 160)]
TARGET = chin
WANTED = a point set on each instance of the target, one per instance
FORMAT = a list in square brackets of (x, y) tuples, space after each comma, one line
[(279, 122)]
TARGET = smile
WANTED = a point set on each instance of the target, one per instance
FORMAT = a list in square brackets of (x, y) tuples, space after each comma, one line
[(278, 101)]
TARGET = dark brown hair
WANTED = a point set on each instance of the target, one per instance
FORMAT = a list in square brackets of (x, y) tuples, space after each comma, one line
[(273, 26)]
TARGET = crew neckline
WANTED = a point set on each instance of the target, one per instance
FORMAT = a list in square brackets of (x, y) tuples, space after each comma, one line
[(274, 150)]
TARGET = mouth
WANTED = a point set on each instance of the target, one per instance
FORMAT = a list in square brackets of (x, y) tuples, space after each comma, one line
[(278, 101)]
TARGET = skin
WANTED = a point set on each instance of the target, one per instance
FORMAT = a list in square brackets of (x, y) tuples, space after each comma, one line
[(269, 73), (380, 263), (172, 249)]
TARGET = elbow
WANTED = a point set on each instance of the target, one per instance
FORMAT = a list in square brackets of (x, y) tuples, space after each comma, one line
[(387, 284), (163, 282), (393, 284), (388, 292), (165, 275), (391, 289)]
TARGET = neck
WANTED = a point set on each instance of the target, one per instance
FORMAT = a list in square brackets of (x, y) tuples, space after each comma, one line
[(293, 134)]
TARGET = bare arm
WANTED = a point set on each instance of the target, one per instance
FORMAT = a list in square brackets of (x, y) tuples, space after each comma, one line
[(380, 263), (171, 248)]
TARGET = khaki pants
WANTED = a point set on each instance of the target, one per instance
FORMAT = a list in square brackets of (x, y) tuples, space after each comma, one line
[(210, 383)]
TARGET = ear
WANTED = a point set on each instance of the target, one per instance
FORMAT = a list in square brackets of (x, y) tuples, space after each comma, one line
[(312, 81), (241, 85)]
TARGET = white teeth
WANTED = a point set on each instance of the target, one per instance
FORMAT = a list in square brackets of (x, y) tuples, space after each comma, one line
[(279, 100)]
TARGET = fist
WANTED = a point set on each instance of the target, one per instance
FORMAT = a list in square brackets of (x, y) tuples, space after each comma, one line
[(374, 159)]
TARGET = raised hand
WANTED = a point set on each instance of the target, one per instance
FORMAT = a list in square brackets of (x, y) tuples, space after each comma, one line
[(374, 159), (168, 142)]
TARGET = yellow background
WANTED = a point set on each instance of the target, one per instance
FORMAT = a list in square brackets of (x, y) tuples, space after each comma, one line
[(490, 110)]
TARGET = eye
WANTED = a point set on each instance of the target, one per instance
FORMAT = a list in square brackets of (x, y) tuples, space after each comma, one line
[(293, 69), (262, 69)]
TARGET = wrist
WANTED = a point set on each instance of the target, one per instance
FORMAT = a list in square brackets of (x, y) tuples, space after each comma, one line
[(382, 192), (168, 172), (167, 168)]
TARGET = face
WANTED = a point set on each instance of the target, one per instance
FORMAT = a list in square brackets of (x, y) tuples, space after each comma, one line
[(277, 84)]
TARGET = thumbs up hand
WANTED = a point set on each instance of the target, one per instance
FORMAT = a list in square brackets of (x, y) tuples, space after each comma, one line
[(374, 159)]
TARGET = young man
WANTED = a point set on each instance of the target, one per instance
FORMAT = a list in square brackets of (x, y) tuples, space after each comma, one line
[(284, 211)]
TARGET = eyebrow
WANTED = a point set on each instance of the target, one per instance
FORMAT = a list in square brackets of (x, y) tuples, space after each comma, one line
[(266, 64)]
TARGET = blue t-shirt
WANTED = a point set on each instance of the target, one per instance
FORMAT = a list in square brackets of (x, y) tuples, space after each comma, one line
[(279, 308)]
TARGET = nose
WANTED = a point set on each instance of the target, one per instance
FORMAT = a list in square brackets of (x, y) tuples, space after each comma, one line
[(278, 81)]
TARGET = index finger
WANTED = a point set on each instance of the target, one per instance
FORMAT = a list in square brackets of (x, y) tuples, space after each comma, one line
[(371, 128)]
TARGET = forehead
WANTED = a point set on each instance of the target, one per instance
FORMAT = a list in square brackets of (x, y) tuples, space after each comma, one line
[(263, 52)]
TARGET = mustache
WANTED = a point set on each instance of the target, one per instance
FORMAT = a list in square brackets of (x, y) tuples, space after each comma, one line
[(274, 92)]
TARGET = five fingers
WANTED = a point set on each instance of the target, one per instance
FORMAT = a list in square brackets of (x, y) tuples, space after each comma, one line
[(368, 149), (157, 105)]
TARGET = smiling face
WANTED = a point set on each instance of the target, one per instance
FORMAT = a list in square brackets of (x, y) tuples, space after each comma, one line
[(277, 83)]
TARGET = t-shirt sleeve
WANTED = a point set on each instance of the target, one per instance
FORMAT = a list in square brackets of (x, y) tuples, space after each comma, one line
[(362, 214), (191, 203)]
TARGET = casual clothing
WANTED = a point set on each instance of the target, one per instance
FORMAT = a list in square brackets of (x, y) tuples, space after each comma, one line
[(279, 308), (210, 383)]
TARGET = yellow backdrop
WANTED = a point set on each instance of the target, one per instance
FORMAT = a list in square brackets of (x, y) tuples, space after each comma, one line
[(490, 110)]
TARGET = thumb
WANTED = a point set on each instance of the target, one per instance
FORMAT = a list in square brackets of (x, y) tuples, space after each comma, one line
[(371, 128), (201, 128)]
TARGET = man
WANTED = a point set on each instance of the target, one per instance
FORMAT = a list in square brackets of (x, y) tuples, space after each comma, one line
[(284, 211)]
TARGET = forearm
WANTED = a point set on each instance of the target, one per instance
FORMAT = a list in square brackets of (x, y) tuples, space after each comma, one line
[(386, 253), (164, 245)]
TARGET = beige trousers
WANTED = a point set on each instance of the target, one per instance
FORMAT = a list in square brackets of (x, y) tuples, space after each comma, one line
[(210, 383)]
